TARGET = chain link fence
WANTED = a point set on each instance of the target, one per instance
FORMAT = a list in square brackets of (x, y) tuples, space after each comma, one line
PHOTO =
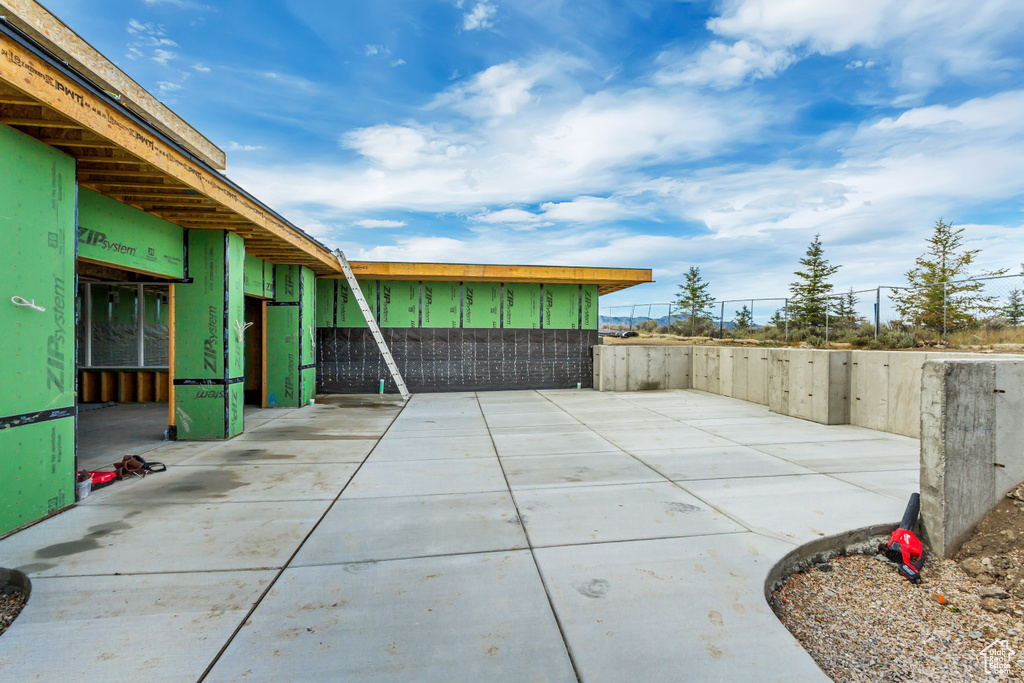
[(960, 306)]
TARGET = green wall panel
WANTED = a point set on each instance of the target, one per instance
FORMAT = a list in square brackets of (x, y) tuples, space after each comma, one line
[(307, 332), (254, 268), (199, 411), (399, 303), (121, 235), (236, 402), (269, 280), (481, 305), (236, 305), (287, 277), (325, 296), (207, 346), (308, 385), (199, 309), (349, 314), (282, 334), (561, 307), (37, 221), (522, 306), (38, 471), (589, 307), (442, 303)]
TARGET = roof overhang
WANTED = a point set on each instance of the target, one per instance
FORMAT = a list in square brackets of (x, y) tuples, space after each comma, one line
[(608, 280), (122, 155)]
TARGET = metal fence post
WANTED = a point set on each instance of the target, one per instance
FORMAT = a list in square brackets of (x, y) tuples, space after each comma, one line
[(826, 325), (632, 311), (670, 318), (878, 310), (721, 323), (943, 311), (786, 307), (693, 319)]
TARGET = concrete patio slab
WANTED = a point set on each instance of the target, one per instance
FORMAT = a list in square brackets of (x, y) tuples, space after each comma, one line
[(238, 483), (426, 477), (455, 618), (571, 516), (654, 437), (893, 483), (236, 452), (866, 455), (145, 538), (396, 447), (798, 508), (686, 609), (562, 442), (373, 529), (165, 627), (586, 469), (717, 462), (419, 567)]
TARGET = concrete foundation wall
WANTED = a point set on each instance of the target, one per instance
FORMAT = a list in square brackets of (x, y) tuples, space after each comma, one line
[(642, 368), (873, 389), (971, 436)]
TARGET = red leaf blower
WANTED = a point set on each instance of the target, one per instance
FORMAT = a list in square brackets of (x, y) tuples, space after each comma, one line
[(904, 546)]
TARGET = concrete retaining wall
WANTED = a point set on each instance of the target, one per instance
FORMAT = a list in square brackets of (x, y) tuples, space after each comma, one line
[(972, 428), (641, 368), (873, 389), (810, 384)]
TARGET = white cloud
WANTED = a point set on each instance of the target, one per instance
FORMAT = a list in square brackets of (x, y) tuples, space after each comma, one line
[(398, 147), (507, 217), (371, 223), (723, 66), (480, 17), (398, 62), (202, 68), (504, 89), (925, 40), (289, 81), (181, 4), (162, 57), (168, 87), (589, 210), (237, 147)]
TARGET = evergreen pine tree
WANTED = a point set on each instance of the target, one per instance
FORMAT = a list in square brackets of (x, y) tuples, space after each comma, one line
[(1014, 310), (743, 320), (845, 309), (778, 320), (809, 304), (694, 302), (939, 296)]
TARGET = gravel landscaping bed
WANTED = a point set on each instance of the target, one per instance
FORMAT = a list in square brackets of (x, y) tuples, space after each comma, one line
[(11, 602), (862, 621)]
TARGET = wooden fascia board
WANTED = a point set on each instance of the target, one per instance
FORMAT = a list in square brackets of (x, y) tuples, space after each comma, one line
[(38, 79), (617, 278)]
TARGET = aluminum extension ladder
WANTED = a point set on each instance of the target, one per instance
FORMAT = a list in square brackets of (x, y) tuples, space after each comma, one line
[(371, 321)]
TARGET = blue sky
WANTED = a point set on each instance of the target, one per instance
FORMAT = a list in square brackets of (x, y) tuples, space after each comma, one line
[(655, 134)]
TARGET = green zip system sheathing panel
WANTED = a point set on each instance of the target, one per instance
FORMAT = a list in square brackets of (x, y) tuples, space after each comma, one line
[(257, 274), (349, 314), (399, 303), (37, 424), (588, 307), (561, 307), (38, 471), (522, 306), (481, 305), (291, 327), (208, 352), (442, 304), (326, 298), (123, 236)]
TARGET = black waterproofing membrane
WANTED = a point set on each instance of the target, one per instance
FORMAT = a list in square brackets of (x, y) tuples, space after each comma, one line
[(457, 359)]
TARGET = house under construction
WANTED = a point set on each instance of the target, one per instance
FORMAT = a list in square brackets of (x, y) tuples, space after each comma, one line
[(133, 270)]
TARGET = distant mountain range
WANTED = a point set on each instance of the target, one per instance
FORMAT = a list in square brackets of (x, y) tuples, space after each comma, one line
[(623, 321)]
